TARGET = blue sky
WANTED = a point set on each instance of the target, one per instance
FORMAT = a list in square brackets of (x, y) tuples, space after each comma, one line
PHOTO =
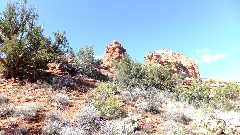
[(207, 31)]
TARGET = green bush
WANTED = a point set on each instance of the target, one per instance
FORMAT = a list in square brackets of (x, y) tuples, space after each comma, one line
[(107, 87), (231, 91), (130, 72), (109, 107), (85, 65), (133, 74), (197, 94), (84, 61), (224, 97), (160, 77), (102, 98)]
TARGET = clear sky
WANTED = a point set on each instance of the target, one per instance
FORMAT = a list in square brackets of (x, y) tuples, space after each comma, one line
[(207, 31)]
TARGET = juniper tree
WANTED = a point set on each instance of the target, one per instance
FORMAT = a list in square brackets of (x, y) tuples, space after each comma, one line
[(23, 47)]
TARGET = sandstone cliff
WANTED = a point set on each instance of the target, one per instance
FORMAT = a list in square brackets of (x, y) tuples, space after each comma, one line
[(178, 62), (114, 51)]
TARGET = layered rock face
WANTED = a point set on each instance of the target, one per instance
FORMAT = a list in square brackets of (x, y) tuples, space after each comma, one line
[(114, 51), (178, 62)]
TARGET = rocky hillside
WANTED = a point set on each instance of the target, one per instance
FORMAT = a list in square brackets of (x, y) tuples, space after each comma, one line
[(78, 103)]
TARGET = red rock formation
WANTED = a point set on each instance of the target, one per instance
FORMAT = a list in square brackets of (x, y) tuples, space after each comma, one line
[(178, 62), (114, 51)]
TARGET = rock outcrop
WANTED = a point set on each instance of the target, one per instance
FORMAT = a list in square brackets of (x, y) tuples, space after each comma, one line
[(114, 51), (178, 62)]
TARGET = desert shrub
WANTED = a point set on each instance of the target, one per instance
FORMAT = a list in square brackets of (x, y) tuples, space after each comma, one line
[(85, 65), (126, 126), (170, 127), (177, 116), (24, 48), (160, 77), (130, 72), (231, 91), (73, 130), (109, 107), (3, 98), (197, 94), (63, 82), (62, 100), (102, 98), (150, 100), (29, 110), (89, 119), (107, 88), (224, 98), (55, 115), (6, 108), (52, 128), (87, 122), (219, 126), (133, 74), (54, 122)]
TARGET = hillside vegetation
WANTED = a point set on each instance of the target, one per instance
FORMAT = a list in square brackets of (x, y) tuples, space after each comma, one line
[(78, 99)]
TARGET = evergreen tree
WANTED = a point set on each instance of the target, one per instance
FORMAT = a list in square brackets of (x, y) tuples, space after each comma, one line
[(23, 47)]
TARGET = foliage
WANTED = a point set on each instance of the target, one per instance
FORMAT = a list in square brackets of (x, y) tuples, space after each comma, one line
[(73, 130), (133, 74), (220, 126), (104, 101), (130, 72), (88, 118), (54, 122), (84, 61), (29, 110), (160, 77), (149, 100), (126, 126), (87, 122), (5, 107), (62, 100), (231, 91), (85, 65), (107, 88), (108, 107), (24, 49), (197, 94), (224, 97)]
